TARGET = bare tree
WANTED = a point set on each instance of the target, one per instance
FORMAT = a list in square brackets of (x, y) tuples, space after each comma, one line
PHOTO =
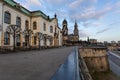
[(28, 34), (39, 36), (13, 30)]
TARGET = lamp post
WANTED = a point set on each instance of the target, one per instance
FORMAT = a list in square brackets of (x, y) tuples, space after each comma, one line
[(13, 29), (27, 33), (39, 35)]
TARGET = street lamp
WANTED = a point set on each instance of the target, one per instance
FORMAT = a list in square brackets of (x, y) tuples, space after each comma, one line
[(39, 35), (13, 29), (28, 34)]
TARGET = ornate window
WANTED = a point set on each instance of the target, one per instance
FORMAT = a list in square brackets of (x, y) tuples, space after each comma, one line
[(7, 17), (34, 25), (6, 38), (44, 27), (51, 29), (18, 21), (26, 24)]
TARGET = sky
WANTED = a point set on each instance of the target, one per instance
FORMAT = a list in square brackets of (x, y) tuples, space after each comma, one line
[(97, 19)]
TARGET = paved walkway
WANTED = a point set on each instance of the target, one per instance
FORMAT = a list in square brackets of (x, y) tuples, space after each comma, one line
[(32, 65), (70, 69)]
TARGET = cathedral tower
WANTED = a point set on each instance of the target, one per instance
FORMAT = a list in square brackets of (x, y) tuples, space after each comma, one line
[(76, 32), (64, 28)]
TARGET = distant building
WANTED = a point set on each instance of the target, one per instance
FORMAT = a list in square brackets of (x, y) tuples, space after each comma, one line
[(93, 41), (69, 37), (95, 58), (113, 42), (118, 43)]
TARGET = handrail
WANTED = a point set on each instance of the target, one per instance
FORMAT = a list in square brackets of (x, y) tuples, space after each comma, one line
[(70, 69)]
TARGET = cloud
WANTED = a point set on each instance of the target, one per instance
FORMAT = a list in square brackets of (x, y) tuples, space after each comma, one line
[(89, 24), (83, 34), (91, 15), (102, 31), (30, 3), (90, 12), (34, 2), (75, 3), (55, 1), (62, 13)]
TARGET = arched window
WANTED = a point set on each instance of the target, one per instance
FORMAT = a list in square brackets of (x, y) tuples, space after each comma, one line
[(7, 17), (44, 27), (34, 25), (51, 29), (26, 24), (18, 21)]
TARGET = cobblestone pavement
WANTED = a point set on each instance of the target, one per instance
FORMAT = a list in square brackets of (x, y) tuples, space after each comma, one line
[(32, 65)]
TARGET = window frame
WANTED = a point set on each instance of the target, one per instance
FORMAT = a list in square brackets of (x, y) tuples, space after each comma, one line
[(7, 17), (18, 21), (44, 26), (6, 38), (34, 25), (27, 24), (51, 29)]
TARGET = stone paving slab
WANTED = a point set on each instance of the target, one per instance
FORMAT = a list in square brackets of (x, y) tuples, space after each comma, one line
[(32, 65)]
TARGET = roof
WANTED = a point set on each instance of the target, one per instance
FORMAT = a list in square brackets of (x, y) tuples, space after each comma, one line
[(26, 11), (40, 13), (64, 21), (13, 4)]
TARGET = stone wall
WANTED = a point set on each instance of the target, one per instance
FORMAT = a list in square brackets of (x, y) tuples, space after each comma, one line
[(95, 58)]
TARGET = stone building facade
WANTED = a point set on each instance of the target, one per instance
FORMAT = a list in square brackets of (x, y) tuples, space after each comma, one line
[(69, 37), (13, 13), (95, 58)]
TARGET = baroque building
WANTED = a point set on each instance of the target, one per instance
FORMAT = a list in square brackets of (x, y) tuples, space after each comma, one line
[(36, 22), (68, 39)]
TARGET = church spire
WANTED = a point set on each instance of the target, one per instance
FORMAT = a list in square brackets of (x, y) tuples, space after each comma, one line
[(76, 28), (64, 28)]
